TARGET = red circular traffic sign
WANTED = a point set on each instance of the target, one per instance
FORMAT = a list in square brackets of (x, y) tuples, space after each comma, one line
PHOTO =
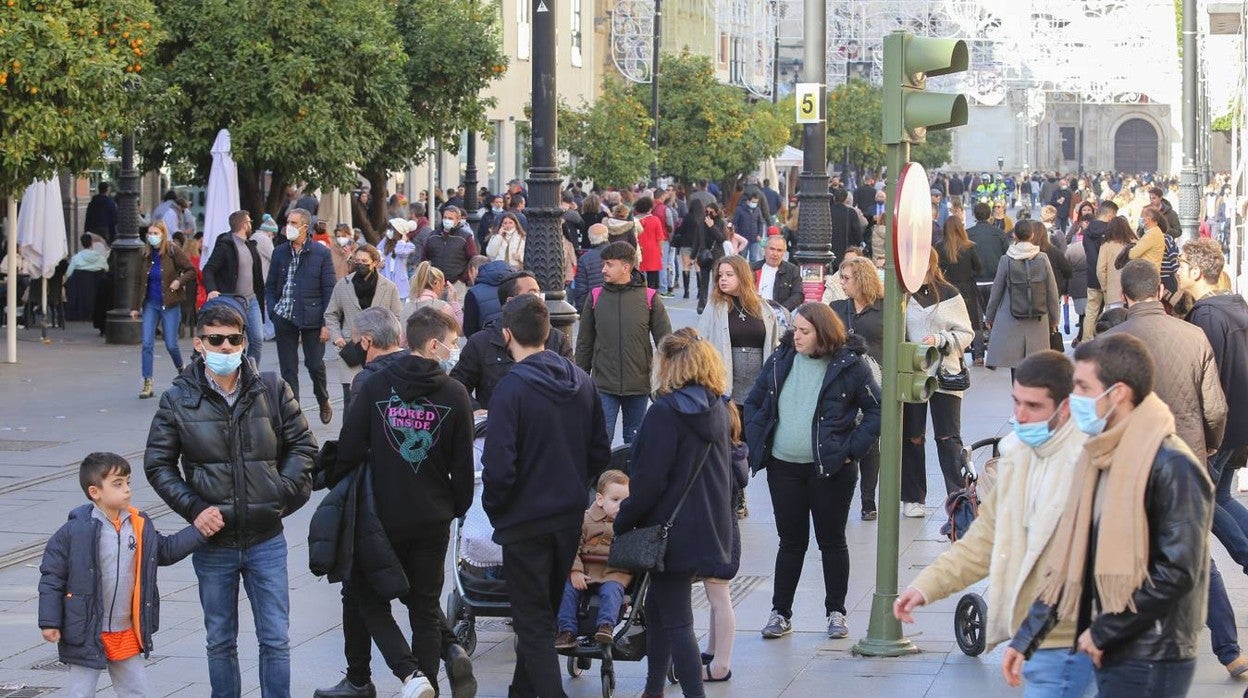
[(912, 227)]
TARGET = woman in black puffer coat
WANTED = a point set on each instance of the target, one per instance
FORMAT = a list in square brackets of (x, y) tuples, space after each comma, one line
[(806, 433)]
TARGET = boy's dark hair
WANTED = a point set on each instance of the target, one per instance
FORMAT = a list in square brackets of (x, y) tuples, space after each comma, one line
[(621, 252), (643, 205), (429, 323), (611, 477), (1107, 208), (1050, 370), (981, 211), (1140, 280), (219, 313), (507, 287), (1120, 358), (1110, 319), (1023, 231), (85, 240), (528, 320), (98, 466)]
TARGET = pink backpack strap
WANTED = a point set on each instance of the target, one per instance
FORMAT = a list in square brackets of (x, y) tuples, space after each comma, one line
[(650, 294)]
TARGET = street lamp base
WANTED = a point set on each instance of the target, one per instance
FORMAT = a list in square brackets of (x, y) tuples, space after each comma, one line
[(120, 329)]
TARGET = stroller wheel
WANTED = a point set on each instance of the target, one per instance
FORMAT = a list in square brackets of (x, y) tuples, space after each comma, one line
[(454, 606), (608, 684), (574, 667), (969, 624), (466, 634)]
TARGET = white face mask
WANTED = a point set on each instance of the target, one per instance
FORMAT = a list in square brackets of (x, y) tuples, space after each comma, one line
[(292, 233), (389, 234), (343, 242)]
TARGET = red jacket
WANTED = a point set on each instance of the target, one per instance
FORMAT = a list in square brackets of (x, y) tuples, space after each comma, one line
[(649, 240)]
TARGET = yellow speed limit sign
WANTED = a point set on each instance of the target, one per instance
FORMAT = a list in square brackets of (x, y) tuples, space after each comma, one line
[(809, 102)]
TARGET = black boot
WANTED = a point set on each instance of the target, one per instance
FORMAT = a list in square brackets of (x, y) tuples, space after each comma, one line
[(459, 672), (684, 281)]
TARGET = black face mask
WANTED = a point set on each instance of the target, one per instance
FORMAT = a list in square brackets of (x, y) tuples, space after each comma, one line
[(352, 354)]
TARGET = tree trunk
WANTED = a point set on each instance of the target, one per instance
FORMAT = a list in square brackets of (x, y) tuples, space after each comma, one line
[(249, 192), (277, 194), (377, 204)]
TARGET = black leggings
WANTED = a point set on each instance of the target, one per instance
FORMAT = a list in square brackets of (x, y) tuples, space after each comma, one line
[(652, 279), (947, 425), (799, 496), (670, 638), (869, 465)]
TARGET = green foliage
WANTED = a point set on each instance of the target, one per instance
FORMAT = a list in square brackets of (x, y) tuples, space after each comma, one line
[(1225, 122), (936, 152), (708, 129), (610, 139), (67, 82), (317, 91)]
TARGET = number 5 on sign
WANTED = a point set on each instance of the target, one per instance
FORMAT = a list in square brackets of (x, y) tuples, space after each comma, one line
[(809, 102)]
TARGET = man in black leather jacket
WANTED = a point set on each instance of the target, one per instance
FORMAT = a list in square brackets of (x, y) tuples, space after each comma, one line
[(246, 450), (1148, 647)]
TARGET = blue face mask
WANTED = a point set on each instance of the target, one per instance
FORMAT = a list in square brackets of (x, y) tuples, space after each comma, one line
[(1083, 410), (153, 240), (223, 364), (1034, 434)]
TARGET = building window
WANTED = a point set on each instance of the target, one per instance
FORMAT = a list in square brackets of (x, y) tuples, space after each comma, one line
[(1068, 142), (577, 58), (523, 136), (724, 50), (495, 164), (524, 28)]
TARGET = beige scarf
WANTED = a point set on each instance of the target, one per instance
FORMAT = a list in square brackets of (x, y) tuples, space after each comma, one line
[(1126, 454)]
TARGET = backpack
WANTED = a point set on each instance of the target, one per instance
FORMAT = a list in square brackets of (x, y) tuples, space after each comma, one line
[(595, 292), (1028, 297)]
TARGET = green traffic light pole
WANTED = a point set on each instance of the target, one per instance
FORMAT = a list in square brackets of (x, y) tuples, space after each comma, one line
[(884, 638), (908, 111)]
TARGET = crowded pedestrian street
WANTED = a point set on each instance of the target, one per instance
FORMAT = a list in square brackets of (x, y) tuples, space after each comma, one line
[(74, 396)]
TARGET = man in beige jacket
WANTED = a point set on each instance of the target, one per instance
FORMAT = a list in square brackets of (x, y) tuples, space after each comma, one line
[(1017, 518)]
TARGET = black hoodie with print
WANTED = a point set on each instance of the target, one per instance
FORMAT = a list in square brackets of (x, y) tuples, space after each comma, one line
[(413, 424)]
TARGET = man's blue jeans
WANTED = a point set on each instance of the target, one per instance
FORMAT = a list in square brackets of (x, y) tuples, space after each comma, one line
[(610, 598), (169, 318), (1223, 635), (634, 408), (665, 281), (1057, 673), (263, 571), (1230, 518), (255, 330), (1135, 678)]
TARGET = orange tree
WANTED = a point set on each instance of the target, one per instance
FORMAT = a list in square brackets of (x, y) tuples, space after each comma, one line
[(68, 81), (609, 140)]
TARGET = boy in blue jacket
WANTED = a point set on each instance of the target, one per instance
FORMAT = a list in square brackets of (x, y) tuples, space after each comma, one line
[(97, 588)]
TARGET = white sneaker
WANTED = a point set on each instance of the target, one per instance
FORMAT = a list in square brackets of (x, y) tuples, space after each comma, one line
[(417, 686), (913, 510)]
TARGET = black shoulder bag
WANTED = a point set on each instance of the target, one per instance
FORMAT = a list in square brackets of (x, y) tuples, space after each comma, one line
[(643, 549)]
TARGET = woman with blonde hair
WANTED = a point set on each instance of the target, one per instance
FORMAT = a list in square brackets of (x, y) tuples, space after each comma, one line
[(862, 313), (157, 293), (802, 425), (429, 287), (365, 287), (682, 452)]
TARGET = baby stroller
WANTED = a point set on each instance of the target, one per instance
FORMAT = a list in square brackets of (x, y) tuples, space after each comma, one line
[(480, 589), (970, 620), (629, 643)]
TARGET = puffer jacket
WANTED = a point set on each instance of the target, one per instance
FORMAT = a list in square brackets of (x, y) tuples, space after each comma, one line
[(70, 597), (848, 389), (588, 276), (346, 535), (481, 305), (614, 344), (1186, 377), (1170, 605), (252, 461)]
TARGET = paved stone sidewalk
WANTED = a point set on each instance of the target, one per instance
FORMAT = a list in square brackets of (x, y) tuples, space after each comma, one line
[(78, 395)]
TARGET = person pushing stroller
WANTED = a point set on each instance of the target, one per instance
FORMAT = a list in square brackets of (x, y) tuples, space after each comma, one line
[(590, 569)]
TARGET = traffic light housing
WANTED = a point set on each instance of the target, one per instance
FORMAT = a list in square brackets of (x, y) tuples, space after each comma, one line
[(910, 111), (916, 380)]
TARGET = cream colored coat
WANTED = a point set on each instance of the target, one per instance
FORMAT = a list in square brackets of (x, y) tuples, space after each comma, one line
[(344, 306), (1008, 538)]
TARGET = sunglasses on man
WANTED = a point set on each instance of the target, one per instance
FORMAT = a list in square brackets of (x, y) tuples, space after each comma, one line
[(216, 340)]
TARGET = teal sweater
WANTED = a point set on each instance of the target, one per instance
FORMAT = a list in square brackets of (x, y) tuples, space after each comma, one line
[(798, 399)]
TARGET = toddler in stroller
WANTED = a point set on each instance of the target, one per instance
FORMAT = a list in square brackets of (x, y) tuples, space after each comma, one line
[(590, 573)]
